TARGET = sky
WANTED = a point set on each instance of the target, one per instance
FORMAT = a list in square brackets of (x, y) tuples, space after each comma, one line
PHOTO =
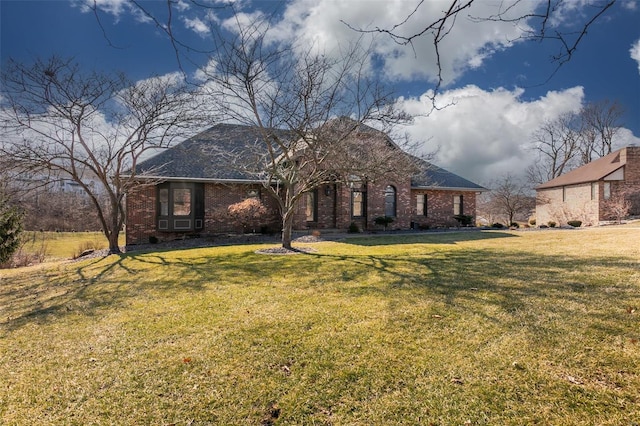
[(498, 89)]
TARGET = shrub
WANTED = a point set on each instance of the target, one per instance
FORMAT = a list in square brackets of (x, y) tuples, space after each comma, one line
[(532, 221), (515, 225), (497, 225), (10, 230), (383, 220), (247, 214), (463, 219), (153, 239), (575, 223), (551, 224), (353, 228)]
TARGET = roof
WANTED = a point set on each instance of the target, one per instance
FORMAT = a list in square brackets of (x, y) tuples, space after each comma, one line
[(204, 157), (434, 177), (201, 156), (591, 172)]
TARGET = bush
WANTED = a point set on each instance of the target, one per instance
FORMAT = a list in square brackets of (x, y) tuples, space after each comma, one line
[(515, 225), (575, 223), (10, 230), (497, 225), (353, 228), (463, 219), (383, 220), (532, 221), (153, 239), (551, 224)]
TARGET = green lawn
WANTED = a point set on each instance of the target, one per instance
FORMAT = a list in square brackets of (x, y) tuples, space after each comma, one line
[(480, 328), (64, 245)]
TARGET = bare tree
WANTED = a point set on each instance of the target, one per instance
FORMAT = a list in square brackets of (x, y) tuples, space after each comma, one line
[(624, 201), (509, 198), (556, 144), (574, 139), (297, 104), (600, 121), (537, 23), (60, 122)]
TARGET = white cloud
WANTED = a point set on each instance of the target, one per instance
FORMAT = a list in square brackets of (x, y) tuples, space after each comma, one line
[(112, 7), (483, 134), (635, 52), (322, 23), (198, 26)]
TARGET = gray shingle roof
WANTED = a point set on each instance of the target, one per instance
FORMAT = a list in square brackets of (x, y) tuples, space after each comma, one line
[(204, 157), (434, 177)]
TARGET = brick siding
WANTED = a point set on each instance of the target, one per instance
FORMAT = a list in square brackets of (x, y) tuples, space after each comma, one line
[(574, 202)]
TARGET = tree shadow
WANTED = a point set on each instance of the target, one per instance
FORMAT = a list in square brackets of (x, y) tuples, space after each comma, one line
[(474, 278), (428, 237)]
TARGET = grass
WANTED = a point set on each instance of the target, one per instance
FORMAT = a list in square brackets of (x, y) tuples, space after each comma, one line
[(479, 328), (64, 245)]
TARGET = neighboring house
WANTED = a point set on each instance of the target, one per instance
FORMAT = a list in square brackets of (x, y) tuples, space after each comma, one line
[(594, 192), (187, 189)]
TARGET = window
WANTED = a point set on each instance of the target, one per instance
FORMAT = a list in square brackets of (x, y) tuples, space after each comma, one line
[(181, 201), (564, 194), (594, 191), (607, 190), (311, 207), (180, 206), (390, 201), (163, 199), (458, 207), (421, 205), (357, 203)]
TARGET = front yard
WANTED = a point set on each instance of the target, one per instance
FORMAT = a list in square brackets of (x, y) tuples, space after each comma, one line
[(480, 328)]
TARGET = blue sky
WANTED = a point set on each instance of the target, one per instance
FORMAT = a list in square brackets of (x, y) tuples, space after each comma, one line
[(499, 88)]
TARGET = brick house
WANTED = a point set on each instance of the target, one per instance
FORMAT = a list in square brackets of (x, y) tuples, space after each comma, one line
[(589, 193), (187, 189)]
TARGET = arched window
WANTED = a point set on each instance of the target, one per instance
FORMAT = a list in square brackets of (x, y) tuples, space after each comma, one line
[(390, 201)]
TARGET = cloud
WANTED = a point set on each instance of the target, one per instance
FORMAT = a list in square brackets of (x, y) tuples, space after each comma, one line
[(116, 8), (484, 134), (635, 52), (198, 26), (327, 24)]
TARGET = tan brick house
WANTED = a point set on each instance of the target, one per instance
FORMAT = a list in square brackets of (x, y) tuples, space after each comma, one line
[(589, 193), (186, 189)]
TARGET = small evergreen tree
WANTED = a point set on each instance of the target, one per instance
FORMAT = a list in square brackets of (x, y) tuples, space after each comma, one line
[(10, 229)]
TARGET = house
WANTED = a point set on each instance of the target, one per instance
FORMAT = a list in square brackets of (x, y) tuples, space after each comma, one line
[(187, 189), (594, 192)]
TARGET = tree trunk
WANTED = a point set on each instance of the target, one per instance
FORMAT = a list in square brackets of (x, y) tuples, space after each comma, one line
[(112, 236), (287, 225)]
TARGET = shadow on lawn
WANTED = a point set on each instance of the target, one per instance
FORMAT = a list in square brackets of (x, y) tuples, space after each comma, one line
[(429, 237), (472, 278)]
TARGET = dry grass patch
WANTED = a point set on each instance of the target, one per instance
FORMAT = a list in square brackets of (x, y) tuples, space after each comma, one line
[(486, 328)]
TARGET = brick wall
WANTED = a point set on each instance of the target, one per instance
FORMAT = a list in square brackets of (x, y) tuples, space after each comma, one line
[(334, 209), (142, 212), (439, 207), (573, 202)]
